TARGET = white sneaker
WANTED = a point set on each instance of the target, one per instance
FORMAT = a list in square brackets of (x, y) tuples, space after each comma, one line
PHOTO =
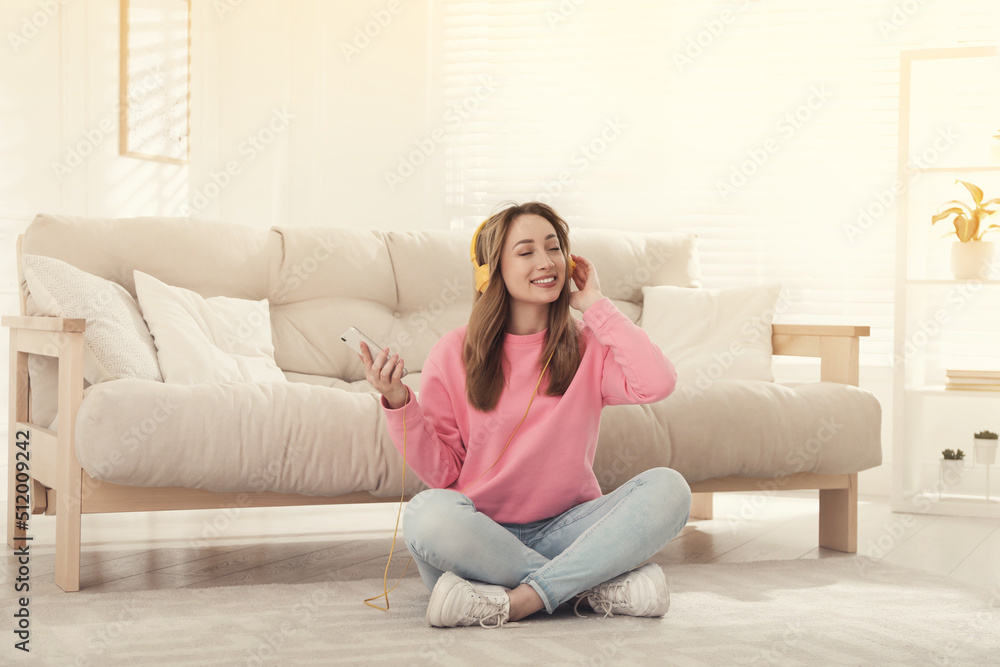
[(639, 592), (455, 601)]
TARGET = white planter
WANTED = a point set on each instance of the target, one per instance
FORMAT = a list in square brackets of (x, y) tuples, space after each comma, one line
[(952, 470), (985, 449), (972, 259)]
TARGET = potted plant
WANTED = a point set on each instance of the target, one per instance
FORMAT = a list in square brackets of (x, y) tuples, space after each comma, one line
[(952, 465), (985, 444), (970, 254)]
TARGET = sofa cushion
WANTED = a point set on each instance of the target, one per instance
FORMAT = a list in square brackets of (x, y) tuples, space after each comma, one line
[(221, 339), (238, 436), (316, 440), (713, 334), (749, 428), (117, 343)]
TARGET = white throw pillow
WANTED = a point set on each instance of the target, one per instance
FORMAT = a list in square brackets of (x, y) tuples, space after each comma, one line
[(118, 344), (219, 339), (713, 334)]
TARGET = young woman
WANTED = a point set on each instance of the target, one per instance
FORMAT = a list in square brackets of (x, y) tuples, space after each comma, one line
[(506, 531)]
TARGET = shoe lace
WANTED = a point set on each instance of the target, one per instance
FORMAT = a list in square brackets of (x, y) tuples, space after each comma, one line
[(605, 598), (488, 610)]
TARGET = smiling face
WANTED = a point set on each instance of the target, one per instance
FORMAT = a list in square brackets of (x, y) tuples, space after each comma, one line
[(531, 252)]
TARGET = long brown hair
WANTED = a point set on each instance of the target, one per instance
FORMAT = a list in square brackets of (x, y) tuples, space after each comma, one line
[(483, 351)]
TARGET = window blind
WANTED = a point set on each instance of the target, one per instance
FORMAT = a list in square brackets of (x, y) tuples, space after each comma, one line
[(769, 128)]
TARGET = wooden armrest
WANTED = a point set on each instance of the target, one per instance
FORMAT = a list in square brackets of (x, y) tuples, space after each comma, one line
[(45, 323), (836, 345), (819, 330)]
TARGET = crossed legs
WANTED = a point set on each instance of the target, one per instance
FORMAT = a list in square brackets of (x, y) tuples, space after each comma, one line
[(547, 562)]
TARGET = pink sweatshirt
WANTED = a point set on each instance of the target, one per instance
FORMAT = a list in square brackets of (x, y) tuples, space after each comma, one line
[(547, 468)]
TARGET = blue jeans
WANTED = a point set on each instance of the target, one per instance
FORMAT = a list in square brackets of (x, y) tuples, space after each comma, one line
[(558, 557)]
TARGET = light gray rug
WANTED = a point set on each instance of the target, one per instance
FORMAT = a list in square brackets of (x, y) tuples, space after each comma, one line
[(844, 610)]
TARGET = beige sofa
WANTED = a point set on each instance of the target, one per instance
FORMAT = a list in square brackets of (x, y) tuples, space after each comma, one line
[(319, 437)]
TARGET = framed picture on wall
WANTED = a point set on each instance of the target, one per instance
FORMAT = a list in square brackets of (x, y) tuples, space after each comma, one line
[(155, 80)]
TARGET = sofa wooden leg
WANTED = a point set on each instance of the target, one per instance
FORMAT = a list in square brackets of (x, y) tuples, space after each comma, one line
[(69, 474), (838, 517), (701, 505), (67, 542)]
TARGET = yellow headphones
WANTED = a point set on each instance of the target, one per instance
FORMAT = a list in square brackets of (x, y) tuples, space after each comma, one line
[(483, 271)]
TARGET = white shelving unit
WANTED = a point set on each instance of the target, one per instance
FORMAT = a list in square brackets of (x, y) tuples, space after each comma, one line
[(936, 316)]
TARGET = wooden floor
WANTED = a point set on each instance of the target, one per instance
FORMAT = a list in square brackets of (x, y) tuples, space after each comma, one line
[(148, 551)]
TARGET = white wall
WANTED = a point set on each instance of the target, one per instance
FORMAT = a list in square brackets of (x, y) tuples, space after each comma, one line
[(345, 81)]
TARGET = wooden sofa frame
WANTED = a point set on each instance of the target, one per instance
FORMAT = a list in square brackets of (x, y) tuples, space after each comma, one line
[(58, 485)]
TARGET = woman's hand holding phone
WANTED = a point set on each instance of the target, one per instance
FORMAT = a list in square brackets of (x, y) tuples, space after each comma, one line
[(385, 374)]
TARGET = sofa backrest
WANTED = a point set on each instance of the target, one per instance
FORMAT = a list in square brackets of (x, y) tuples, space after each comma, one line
[(211, 258), (405, 289)]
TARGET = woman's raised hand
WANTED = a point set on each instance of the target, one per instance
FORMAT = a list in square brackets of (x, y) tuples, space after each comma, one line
[(385, 373), (586, 281)]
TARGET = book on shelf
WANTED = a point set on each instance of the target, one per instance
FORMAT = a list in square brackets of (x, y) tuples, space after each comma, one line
[(990, 381), (973, 380), (980, 375)]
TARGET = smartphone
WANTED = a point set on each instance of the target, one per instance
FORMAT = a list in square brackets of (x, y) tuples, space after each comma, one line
[(354, 336)]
